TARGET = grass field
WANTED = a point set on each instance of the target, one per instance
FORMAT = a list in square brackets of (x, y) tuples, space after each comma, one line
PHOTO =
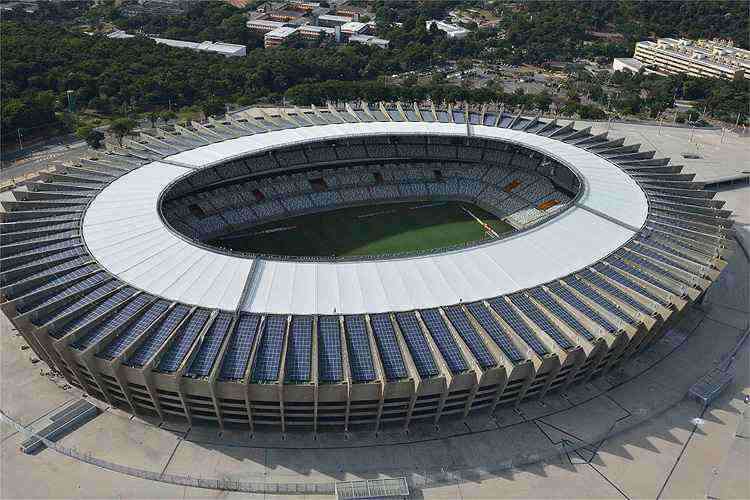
[(368, 230)]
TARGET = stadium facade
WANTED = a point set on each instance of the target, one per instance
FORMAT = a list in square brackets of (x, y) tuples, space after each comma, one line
[(109, 272)]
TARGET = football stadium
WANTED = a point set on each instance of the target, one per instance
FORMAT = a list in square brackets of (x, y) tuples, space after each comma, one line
[(355, 266)]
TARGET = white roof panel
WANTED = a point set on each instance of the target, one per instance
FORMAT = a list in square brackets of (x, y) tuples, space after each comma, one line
[(303, 291), (351, 289), (125, 233), (394, 286), (280, 293), (373, 289)]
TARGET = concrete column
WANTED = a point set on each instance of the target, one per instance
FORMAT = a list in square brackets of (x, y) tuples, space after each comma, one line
[(123, 383), (87, 361), (216, 370), (147, 369), (441, 364), (314, 380), (410, 368), (180, 372), (116, 365), (470, 359), (533, 360), (282, 372), (347, 372), (247, 380), (379, 370)]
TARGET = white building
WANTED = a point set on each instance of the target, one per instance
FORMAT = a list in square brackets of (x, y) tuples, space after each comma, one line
[(225, 49), (279, 36), (627, 64), (119, 34), (310, 32), (701, 58), (369, 40), (449, 29), (263, 25), (354, 28), (332, 21)]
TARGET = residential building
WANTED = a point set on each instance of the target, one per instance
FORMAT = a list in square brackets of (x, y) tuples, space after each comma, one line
[(302, 5), (225, 49), (269, 6), (155, 7), (310, 32), (284, 15), (263, 26), (701, 58), (354, 12), (332, 21), (119, 34)]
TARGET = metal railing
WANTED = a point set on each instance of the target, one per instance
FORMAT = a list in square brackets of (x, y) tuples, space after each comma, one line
[(225, 484)]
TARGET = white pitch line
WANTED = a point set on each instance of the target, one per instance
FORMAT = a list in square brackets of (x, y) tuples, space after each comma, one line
[(483, 224)]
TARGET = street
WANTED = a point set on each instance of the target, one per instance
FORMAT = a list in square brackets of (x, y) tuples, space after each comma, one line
[(43, 156)]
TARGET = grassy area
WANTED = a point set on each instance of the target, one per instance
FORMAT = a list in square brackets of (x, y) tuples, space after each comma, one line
[(368, 230)]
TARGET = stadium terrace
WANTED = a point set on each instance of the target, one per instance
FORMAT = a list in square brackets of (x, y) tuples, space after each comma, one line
[(112, 272)]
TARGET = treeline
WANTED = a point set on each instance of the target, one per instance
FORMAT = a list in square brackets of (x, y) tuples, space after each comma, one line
[(120, 77), (31, 114), (41, 63), (215, 21), (721, 99), (588, 98), (319, 93), (552, 30)]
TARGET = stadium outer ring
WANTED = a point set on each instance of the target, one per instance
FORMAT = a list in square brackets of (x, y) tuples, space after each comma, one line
[(346, 405)]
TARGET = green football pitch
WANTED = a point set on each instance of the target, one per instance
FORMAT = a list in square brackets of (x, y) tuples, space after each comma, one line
[(368, 230)]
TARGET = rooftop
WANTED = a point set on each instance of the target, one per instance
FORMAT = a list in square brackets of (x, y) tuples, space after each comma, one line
[(448, 28), (600, 222), (353, 27), (264, 22), (281, 32), (206, 46), (330, 17), (120, 34), (369, 40), (319, 29), (718, 53)]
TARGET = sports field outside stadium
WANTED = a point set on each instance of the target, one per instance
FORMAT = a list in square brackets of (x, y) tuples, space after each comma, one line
[(370, 230)]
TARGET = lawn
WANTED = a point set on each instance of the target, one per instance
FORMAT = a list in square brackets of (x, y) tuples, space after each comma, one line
[(368, 230)]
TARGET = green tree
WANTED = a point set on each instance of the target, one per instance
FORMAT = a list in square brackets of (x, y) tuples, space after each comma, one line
[(153, 117), (437, 78), (542, 101), (122, 127), (212, 107), (167, 115), (92, 136)]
